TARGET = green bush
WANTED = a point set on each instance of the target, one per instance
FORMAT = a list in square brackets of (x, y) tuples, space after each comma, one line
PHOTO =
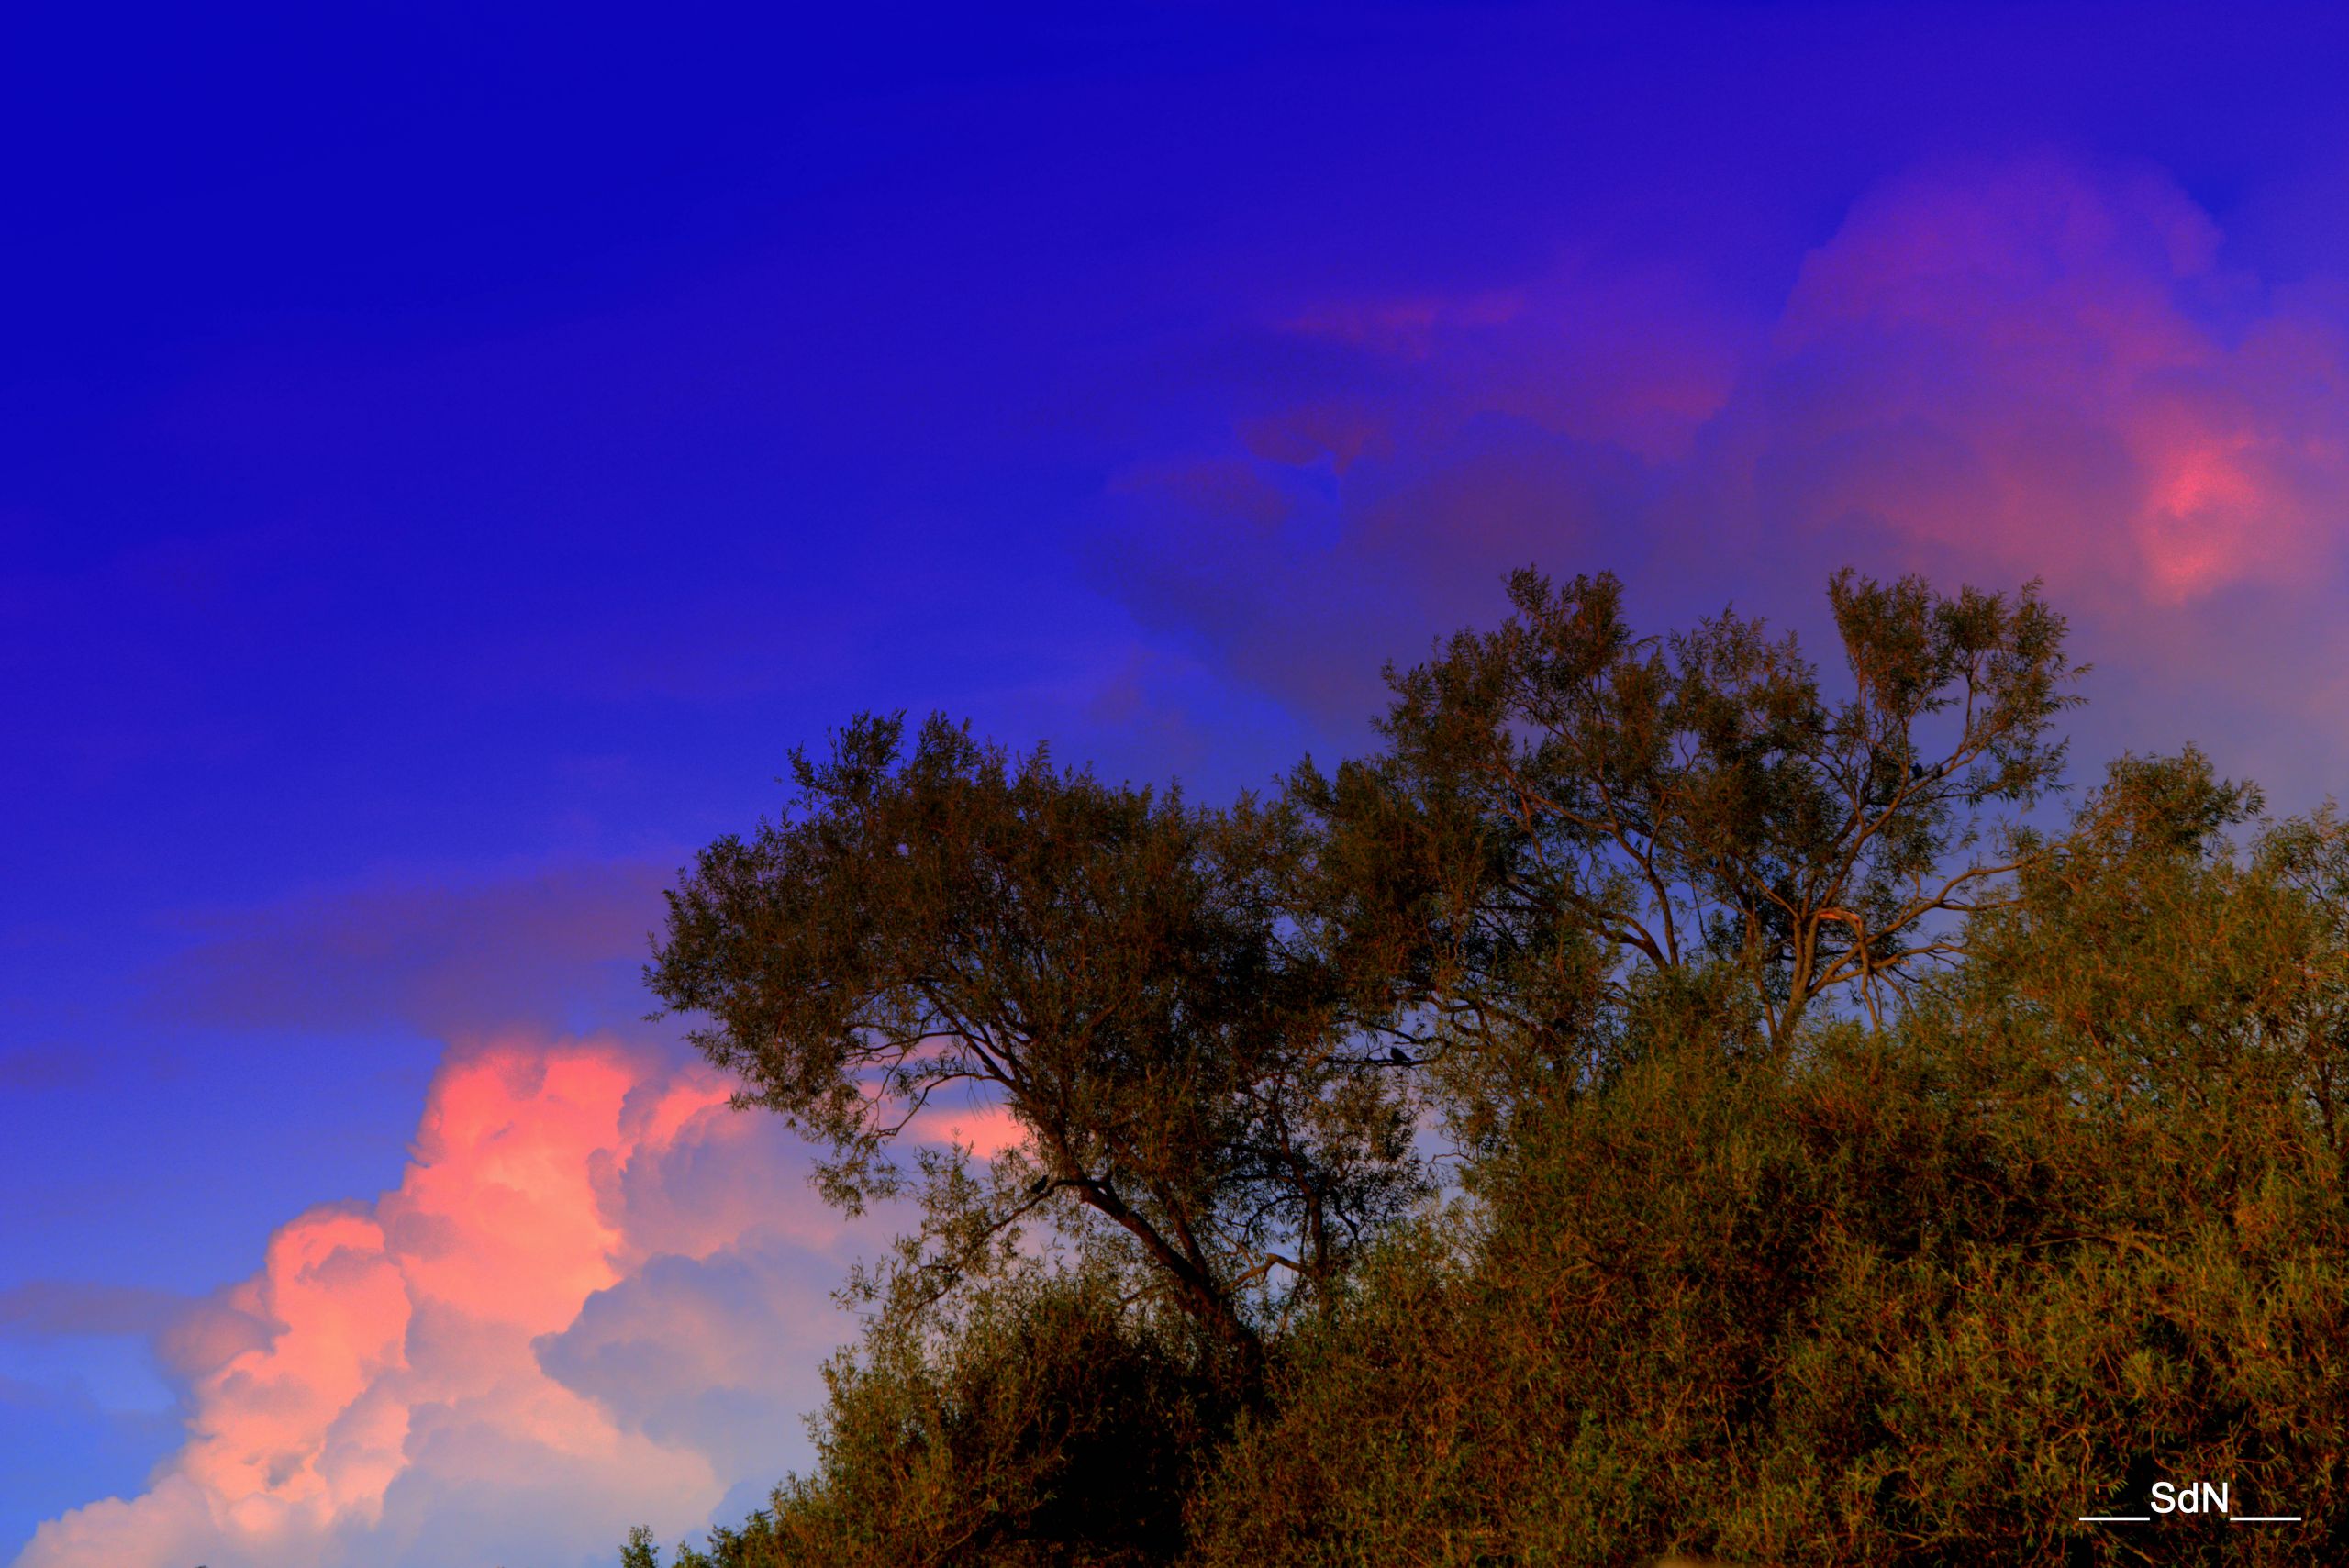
[(1816, 1202), (1048, 1426), (1918, 1296)]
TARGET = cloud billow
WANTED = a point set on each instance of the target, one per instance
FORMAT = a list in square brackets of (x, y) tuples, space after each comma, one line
[(449, 958), (598, 1296), (1992, 370)]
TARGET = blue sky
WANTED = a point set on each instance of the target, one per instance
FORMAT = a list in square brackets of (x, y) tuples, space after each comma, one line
[(447, 461)]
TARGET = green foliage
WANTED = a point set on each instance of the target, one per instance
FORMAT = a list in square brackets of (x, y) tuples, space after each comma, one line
[(2054, 1207), (1114, 966), (1046, 1427), (1693, 799), (1917, 1296)]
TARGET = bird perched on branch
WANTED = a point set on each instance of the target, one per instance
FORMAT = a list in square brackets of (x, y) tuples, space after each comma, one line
[(1394, 1054), (1039, 1186)]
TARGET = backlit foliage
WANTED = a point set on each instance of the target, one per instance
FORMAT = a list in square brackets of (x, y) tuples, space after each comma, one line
[(1852, 1167)]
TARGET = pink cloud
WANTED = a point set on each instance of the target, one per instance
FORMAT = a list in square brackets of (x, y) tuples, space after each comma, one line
[(598, 1296), (386, 1388), (2039, 366), (985, 1129), (1987, 370)]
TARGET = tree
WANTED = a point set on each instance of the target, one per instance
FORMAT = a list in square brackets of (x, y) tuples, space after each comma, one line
[(2069, 1217), (1691, 800), (2193, 990), (2072, 1222), (1110, 964)]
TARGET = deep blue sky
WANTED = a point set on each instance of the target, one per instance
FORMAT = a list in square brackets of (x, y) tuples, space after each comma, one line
[(447, 459)]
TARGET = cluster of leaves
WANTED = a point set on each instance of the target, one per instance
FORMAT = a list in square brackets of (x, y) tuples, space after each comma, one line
[(1848, 1173), (1918, 1295), (1115, 967), (1038, 1424)]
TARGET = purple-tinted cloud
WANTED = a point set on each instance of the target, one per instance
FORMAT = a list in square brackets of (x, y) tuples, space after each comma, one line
[(723, 1354), (1303, 581), (47, 1309), (28, 1069), (575, 1296), (597, 1288), (1991, 371), (456, 959)]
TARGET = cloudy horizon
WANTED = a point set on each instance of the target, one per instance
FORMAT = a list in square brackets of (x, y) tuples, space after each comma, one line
[(448, 473)]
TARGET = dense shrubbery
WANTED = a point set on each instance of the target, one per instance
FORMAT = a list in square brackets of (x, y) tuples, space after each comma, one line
[(1045, 1426), (1917, 1296), (2051, 1208)]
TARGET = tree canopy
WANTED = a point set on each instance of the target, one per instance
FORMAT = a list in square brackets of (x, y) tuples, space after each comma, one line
[(1849, 1158), (1112, 966), (1700, 798)]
